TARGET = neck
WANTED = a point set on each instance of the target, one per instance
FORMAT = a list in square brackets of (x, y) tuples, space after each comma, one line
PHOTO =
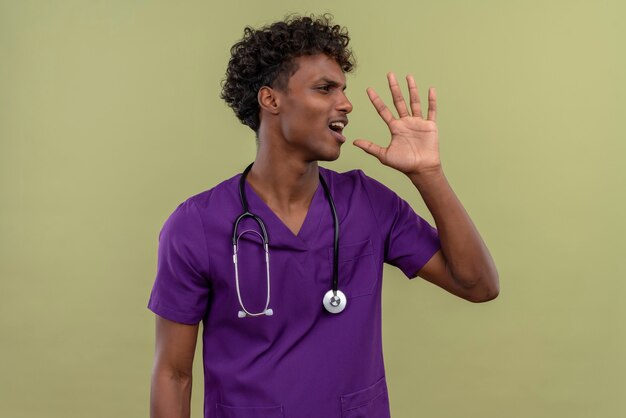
[(283, 182)]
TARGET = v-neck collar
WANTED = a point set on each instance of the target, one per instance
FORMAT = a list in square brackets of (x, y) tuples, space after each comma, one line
[(280, 236)]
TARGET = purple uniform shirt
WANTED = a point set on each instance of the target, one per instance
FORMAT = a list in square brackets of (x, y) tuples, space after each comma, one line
[(302, 361)]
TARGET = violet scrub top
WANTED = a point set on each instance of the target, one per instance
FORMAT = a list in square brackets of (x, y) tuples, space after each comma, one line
[(302, 361)]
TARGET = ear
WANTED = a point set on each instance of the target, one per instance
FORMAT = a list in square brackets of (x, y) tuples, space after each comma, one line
[(268, 100)]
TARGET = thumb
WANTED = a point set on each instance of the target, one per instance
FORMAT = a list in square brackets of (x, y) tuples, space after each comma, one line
[(370, 148)]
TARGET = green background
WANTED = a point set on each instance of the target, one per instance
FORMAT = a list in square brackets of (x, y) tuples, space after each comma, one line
[(110, 117)]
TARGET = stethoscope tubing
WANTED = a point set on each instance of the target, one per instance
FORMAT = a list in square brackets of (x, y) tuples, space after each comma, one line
[(336, 237), (265, 238)]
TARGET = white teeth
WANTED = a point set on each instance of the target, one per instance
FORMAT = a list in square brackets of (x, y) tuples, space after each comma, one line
[(339, 125)]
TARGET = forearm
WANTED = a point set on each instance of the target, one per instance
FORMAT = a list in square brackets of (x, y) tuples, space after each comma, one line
[(170, 396), (466, 254)]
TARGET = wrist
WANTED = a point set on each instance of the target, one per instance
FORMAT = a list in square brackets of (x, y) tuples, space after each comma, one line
[(426, 174)]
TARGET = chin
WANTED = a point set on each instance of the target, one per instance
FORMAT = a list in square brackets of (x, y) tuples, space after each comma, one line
[(332, 153), (329, 156)]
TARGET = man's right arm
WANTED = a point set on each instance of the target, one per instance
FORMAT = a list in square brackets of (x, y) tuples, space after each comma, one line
[(170, 393)]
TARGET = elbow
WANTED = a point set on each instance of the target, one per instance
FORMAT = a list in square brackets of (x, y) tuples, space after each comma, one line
[(483, 289), (172, 373), (182, 376), (489, 289), (485, 295)]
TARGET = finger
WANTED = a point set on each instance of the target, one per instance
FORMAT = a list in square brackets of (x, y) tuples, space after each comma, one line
[(370, 148), (380, 106), (396, 94), (432, 104), (414, 97)]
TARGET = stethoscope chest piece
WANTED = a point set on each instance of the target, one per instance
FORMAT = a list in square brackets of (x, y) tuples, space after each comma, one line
[(335, 301)]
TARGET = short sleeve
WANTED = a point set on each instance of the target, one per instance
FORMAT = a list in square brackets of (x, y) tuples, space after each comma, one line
[(181, 287), (409, 240)]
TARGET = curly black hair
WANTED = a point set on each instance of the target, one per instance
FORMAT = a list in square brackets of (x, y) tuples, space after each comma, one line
[(265, 57)]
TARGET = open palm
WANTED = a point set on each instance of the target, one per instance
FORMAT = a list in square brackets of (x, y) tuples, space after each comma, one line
[(414, 144)]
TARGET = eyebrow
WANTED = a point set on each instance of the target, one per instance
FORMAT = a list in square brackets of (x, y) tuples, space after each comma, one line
[(331, 82)]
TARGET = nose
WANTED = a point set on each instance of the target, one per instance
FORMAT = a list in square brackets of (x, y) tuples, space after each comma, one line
[(344, 104)]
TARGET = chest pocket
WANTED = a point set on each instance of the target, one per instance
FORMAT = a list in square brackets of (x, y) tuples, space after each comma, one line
[(357, 270)]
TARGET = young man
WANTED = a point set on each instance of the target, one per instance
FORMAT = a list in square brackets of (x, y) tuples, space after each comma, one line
[(293, 328)]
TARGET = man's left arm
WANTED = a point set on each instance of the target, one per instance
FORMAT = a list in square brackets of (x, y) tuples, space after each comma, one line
[(463, 266)]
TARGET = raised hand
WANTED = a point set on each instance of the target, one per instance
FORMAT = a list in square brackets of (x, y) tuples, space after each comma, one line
[(414, 144)]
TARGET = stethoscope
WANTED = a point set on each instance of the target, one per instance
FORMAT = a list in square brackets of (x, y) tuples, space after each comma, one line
[(334, 300)]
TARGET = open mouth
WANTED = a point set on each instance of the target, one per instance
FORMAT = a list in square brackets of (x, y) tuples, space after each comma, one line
[(337, 128)]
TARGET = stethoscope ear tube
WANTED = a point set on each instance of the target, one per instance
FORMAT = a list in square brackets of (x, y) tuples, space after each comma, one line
[(244, 312)]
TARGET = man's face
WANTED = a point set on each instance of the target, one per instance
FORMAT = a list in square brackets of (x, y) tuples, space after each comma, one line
[(314, 108)]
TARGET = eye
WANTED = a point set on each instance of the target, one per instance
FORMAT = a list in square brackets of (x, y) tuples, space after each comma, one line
[(325, 87)]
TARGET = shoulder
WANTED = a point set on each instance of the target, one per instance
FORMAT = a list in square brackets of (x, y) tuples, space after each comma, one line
[(223, 190), (349, 181), (356, 177), (191, 211)]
